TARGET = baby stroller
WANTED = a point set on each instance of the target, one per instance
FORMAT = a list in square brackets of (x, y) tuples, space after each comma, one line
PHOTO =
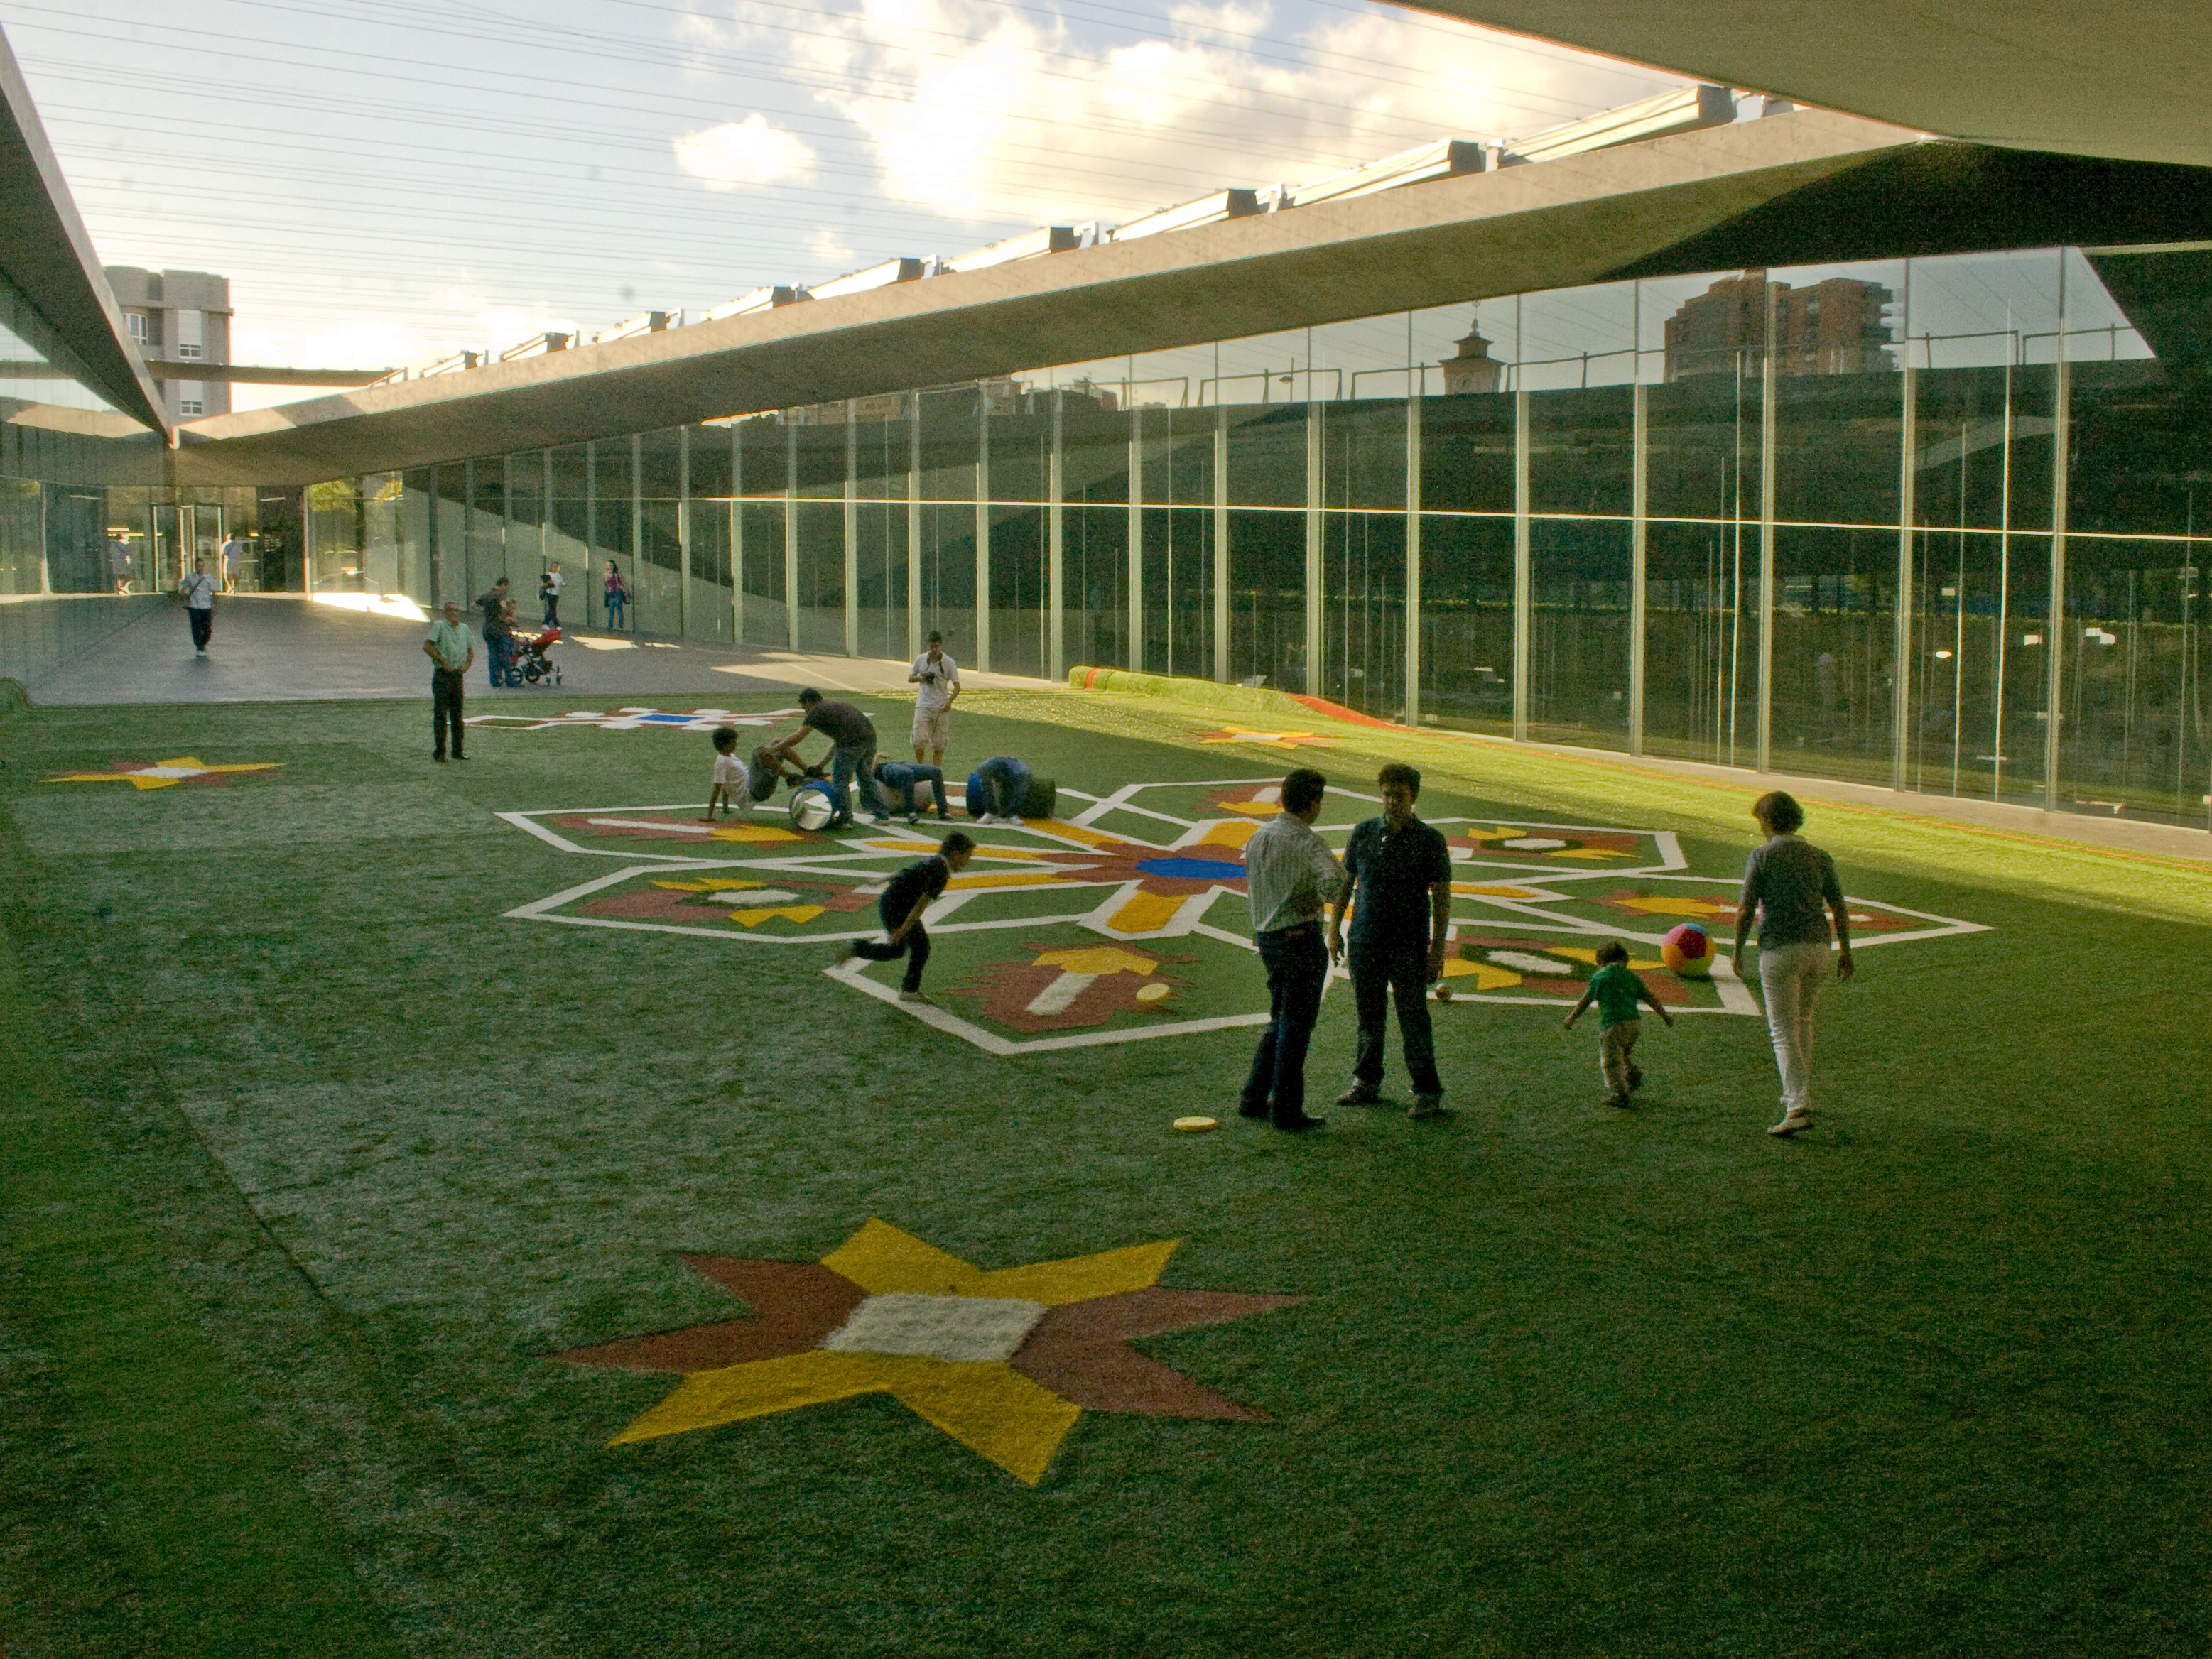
[(530, 659)]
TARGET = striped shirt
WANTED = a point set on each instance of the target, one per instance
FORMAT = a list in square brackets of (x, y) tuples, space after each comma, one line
[(1290, 875)]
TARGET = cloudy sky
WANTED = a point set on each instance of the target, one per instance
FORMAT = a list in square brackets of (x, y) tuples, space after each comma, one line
[(385, 182)]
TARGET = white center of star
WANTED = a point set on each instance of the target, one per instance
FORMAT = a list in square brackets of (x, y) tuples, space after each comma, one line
[(965, 1329)]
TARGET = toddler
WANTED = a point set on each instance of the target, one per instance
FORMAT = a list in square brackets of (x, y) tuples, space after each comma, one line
[(1617, 990)]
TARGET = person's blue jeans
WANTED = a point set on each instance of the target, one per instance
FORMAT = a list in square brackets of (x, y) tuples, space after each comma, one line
[(1005, 782), (852, 760), (1298, 968), (917, 775), (615, 602), (499, 651), (1382, 970)]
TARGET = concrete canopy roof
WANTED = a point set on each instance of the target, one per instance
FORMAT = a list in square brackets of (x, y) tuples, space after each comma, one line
[(47, 258), (2122, 80), (1802, 188)]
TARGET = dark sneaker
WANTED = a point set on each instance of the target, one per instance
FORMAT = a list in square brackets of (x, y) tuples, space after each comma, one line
[(1620, 1099), (1360, 1094), (1426, 1106), (1635, 1078), (1300, 1123), (1261, 1110)]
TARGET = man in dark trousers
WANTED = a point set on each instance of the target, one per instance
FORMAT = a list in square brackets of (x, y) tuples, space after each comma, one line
[(451, 648), (1401, 870), (1289, 875), (852, 738), (910, 893), (498, 637)]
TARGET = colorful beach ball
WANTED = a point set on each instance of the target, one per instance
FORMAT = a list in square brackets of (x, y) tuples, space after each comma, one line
[(1688, 950)]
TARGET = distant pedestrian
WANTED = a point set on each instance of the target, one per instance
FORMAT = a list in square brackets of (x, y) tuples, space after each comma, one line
[(198, 590), (118, 562), (853, 755), (451, 648), (901, 906), (1401, 870), (1785, 884), (936, 679), (233, 563), (617, 596), (1618, 990), (549, 591), (1289, 875)]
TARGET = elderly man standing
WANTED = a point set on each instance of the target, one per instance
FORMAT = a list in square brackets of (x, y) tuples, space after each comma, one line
[(451, 648), (1400, 868), (1289, 875)]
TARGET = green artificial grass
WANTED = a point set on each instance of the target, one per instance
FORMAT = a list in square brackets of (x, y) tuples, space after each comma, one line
[(312, 1154)]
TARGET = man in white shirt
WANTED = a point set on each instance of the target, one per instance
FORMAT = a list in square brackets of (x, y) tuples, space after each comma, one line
[(1290, 875), (936, 679), (198, 590), (233, 563)]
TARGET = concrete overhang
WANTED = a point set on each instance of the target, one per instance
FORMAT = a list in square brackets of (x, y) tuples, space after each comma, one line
[(1711, 200), (47, 256), (2124, 80)]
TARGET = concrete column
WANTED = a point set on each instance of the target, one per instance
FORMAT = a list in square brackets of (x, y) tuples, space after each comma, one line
[(1223, 669), (1900, 679), (982, 530), (1639, 527), (851, 536), (1316, 478), (1413, 560), (1056, 512), (1523, 599), (683, 531), (637, 560), (736, 532)]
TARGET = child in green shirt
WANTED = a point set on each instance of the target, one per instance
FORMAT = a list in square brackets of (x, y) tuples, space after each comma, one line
[(1617, 990)]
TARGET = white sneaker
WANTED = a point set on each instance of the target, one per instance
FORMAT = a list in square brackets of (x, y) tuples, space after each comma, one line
[(1791, 1123)]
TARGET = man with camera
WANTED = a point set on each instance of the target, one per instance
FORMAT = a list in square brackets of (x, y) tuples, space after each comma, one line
[(937, 679)]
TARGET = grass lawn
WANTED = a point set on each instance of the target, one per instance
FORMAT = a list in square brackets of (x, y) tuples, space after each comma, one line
[(315, 1154)]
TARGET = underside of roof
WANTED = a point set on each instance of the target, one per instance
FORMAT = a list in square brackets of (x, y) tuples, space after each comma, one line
[(2124, 80)]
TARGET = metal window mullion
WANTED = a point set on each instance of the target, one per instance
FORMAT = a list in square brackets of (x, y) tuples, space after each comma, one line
[(914, 529), (1223, 669), (1136, 595), (1768, 371), (1413, 603), (982, 529), (2061, 412), (852, 532), (737, 533), (1057, 545), (1639, 527), (637, 503), (1900, 722), (1523, 599), (683, 531), (1316, 480), (790, 533)]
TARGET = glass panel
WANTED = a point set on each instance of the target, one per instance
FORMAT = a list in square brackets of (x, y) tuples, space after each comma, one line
[(1094, 452), (1019, 595), (1579, 628), (822, 572), (1582, 450), (1834, 650), (1466, 622), (760, 528), (1364, 610), (947, 599), (882, 564), (1097, 551), (1267, 457), (1266, 597)]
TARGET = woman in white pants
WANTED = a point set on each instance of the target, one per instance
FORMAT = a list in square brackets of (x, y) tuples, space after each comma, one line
[(1785, 884)]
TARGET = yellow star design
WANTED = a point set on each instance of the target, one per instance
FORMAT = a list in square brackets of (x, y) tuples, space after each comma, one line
[(987, 1405), (163, 774)]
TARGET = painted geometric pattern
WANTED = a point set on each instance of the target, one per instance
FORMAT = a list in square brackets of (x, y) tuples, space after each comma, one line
[(1125, 920)]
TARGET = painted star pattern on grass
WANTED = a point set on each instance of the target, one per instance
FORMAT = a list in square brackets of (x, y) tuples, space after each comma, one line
[(163, 775), (1004, 1361), (1267, 739)]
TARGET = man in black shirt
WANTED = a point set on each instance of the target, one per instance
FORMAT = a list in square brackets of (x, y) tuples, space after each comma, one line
[(1400, 870), (853, 754), (901, 906)]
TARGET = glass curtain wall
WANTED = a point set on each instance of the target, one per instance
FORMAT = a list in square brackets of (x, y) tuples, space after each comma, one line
[(1933, 523)]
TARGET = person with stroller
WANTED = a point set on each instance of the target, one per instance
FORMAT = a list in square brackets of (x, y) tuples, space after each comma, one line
[(500, 644)]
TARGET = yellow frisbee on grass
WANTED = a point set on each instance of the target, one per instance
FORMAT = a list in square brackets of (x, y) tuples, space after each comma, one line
[(1195, 1126)]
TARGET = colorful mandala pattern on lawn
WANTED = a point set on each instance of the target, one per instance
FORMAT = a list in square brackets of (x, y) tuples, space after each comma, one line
[(1126, 919), (166, 774)]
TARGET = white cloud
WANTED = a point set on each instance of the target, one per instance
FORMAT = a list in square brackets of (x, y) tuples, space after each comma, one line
[(981, 114), (751, 152), (827, 246)]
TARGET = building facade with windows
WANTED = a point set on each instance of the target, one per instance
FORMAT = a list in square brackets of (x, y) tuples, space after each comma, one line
[(178, 318)]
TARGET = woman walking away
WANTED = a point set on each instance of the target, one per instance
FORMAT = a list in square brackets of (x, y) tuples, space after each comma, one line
[(1784, 885)]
